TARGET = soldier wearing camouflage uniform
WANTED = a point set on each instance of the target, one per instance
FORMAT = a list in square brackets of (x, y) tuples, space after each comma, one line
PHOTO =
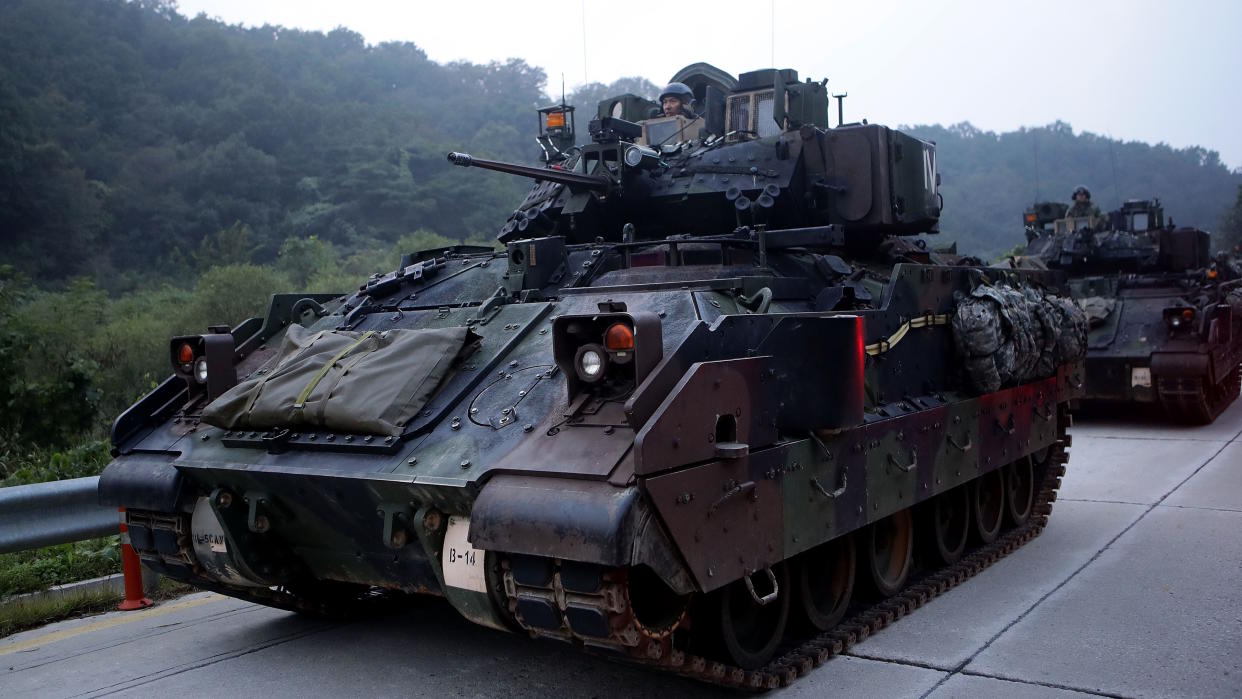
[(1082, 206), (676, 99)]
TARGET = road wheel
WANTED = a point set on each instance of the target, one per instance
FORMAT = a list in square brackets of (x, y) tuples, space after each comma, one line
[(1019, 490), (948, 516), (733, 624), (825, 583), (888, 553), (989, 505)]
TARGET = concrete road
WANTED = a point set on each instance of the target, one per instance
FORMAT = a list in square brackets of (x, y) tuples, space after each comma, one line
[(1133, 590)]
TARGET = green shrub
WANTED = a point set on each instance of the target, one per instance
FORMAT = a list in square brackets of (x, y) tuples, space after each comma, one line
[(39, 569)]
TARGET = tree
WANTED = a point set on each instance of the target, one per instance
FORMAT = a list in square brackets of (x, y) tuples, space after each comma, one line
[(990, 178), (228, 295), (230, 246), (1230, 235), (588, 97)]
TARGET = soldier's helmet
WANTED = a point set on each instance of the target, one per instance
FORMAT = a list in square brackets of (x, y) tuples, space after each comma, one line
[(679, 90), (1080, 190)]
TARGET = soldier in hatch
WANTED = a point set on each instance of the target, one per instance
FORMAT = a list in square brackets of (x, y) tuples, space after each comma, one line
[(676, 99), (1082, 206)]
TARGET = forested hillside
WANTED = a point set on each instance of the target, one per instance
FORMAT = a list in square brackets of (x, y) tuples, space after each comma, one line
[(989, 178), (159, 173), (131, 134)]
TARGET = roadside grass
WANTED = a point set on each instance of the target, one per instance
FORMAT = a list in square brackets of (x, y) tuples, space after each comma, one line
[(39, 569), (20, 615), (21, 465)]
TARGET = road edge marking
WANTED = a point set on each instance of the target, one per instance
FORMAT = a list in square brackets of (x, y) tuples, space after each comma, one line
[(107, 623)]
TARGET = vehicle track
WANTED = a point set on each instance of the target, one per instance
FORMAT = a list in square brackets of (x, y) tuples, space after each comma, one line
[(802, 656), (794, 660)]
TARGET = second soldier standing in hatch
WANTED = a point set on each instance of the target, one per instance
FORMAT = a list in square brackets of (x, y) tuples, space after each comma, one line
[(677, 98), (1082, 206)]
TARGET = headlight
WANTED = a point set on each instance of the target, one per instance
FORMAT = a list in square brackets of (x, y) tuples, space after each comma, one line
[(640, 157), (590, 363), (200, 370), (1179, 317), (613, 348)]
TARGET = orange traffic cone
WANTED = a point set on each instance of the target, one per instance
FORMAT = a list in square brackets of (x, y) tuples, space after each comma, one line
[(132, 567)]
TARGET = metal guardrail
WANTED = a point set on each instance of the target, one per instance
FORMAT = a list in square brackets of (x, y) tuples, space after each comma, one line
[(57, 512)]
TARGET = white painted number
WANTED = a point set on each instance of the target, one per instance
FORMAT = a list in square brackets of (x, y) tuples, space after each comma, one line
[(462, 563)]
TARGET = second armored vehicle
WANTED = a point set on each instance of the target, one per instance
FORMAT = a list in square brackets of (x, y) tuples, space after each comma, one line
[(1165, 319)]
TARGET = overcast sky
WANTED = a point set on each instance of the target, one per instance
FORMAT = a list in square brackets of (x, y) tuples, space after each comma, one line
[(1145, 70)]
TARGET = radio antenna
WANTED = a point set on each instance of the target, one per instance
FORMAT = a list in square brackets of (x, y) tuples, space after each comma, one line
[(772, 29), (1035, 148), (585, 79), (1112, 155)]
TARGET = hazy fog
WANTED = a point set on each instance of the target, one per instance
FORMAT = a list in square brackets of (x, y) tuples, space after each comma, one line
[(1150, 71)]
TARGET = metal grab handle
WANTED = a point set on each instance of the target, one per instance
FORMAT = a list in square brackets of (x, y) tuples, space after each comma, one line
[(894, 463), (824, 491), (496, 300), (768, 598), (961, 447), (757, 303), (307, 304), (1008, 428), (827, 455), (732, 493)]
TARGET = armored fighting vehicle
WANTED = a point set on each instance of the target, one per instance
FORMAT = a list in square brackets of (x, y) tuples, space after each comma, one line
[(709, 409), (1164, 317)]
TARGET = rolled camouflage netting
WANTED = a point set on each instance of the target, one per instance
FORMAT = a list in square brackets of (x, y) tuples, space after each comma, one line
[(1097, 308), (1234, 299), (1012, 335)]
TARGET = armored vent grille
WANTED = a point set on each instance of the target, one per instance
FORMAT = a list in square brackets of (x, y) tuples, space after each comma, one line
[(761, 115), (752, 112), (739, 113)]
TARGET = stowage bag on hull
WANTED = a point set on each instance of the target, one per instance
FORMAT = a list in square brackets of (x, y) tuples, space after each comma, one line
[(369, 382), (1097, 308), (1012, 335)]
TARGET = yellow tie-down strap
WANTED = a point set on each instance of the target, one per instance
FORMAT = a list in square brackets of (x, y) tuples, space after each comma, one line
[(300, 402), (925, 321)]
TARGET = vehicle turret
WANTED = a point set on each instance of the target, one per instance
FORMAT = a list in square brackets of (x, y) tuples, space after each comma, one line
[(1132, 238), (760, 153)]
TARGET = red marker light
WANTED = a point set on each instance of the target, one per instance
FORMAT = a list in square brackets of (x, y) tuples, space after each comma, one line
[(185, 355), (619, 337)]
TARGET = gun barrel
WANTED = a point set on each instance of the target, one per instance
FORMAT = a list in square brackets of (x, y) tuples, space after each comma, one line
[(572, 179)]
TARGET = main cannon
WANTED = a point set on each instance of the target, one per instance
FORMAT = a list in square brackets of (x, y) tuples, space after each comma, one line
[(731, 168), (570, 179)]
